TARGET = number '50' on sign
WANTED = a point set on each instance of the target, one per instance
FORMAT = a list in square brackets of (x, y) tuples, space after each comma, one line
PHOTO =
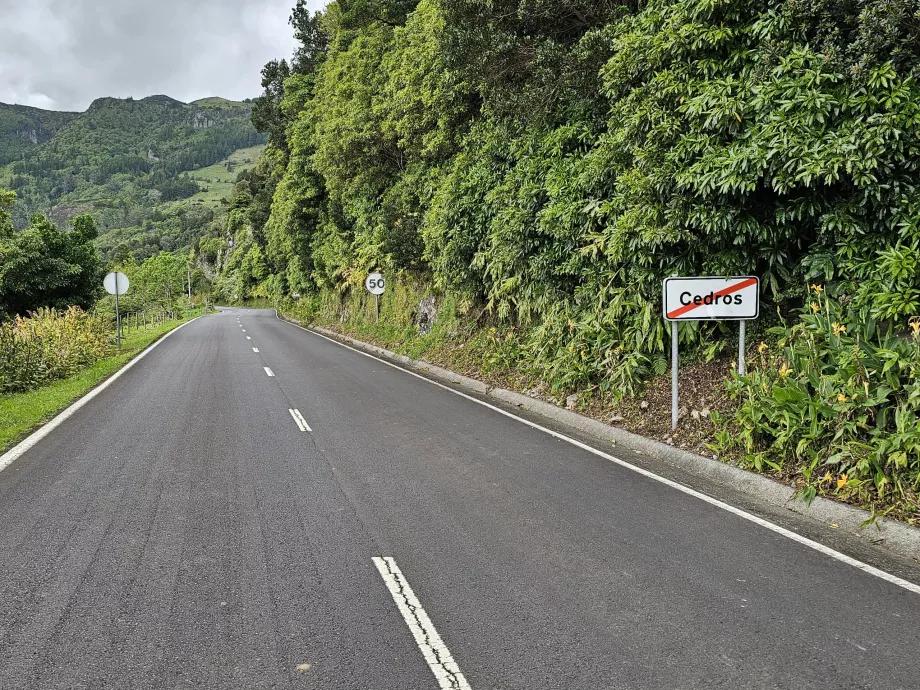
[(375, 284)]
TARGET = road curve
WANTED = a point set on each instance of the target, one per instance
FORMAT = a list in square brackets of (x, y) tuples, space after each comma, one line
[(253, 506)]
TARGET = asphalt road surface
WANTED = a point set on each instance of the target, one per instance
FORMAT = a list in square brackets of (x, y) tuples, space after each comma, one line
[(254, 506)]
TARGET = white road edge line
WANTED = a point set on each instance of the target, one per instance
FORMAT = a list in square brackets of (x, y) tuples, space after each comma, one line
[(750, 517), (436, 653), (14, 453), (299, 420), (255, 349), (269, 371)]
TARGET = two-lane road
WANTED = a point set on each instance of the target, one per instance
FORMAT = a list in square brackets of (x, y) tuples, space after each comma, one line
[(254, 506)]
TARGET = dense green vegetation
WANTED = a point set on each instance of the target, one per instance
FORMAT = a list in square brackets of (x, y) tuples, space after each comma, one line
[(838, 397), (22, 128), (130, 163), (49, 345), (41, 266), (557, 161), (549, 163)]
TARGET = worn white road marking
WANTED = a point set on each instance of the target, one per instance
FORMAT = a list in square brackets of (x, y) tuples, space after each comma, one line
[(299, 420), (436, 653), (10, 456), (244, 330), (269, 371), (750, 517), (248, 337), (255, 349)]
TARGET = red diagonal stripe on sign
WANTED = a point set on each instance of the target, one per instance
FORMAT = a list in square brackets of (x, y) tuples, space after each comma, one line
[(680, 311)]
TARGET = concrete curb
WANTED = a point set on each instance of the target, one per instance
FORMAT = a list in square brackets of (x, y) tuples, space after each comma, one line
[(895, 536)]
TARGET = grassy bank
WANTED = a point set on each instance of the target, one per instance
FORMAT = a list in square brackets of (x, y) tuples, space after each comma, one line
[(22, 413)]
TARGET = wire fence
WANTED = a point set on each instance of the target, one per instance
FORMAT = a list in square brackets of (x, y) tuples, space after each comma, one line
[(152, 317)]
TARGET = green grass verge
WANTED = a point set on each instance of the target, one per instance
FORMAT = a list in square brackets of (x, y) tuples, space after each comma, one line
[(22, 413)]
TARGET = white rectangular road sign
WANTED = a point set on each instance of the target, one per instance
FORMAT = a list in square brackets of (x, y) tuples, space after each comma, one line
[(711, 299)]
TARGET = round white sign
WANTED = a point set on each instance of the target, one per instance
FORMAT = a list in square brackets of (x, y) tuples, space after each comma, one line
[(116, 283), (375, 284)]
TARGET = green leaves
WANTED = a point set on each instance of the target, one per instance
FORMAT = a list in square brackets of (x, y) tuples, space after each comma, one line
[(43, 266), (841, 393)]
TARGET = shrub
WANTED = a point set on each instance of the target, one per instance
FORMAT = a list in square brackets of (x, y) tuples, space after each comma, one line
[(836, 402), (48, 345)]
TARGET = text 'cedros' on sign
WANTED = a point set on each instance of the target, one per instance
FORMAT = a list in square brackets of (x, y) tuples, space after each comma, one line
[(711, 298)]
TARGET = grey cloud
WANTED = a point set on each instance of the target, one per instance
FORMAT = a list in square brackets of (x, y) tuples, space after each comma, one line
[(62, 54)]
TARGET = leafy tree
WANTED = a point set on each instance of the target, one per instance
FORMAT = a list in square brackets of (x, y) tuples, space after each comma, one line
[(312, 39), (266, 110), (7, 199), (43, 266)]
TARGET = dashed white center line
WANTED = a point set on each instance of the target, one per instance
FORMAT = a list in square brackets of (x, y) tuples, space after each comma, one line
[(269, 371), (248, 337), (299, 420), (255, 349), (244, 330), (434, 650)]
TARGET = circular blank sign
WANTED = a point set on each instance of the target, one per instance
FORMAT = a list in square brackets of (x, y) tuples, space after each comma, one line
[(116, 283), (375, 284)]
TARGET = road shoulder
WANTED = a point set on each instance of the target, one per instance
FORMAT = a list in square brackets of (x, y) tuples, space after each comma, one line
[(838, 520), (75, 392)]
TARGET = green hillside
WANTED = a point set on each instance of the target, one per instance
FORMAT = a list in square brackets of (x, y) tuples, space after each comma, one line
[(123, 160), (23, 128), (178, 224), (216, 181)]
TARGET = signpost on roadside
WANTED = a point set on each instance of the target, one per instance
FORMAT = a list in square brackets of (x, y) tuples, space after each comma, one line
[(116, 283), (375, 285), (708, 299)]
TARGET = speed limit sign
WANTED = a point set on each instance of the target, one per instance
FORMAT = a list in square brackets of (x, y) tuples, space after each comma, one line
[(375, 284)]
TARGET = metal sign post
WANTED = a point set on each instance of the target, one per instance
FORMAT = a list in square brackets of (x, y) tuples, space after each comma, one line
[(375, 284), (741, 348), (673, 375), (116, 283), (708, 299)]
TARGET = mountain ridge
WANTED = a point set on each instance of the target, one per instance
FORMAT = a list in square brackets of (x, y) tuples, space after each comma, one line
[(124, 160)]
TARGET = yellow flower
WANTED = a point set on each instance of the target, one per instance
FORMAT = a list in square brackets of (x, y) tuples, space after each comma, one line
[(841, 398), (842, 482), (784, 371), (815, 308), (915, 327), (817, 288), (762, 347), (827, 477), (839, 328), (571, 348)]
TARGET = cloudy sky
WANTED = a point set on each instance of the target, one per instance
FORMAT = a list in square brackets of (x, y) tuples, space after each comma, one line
[(63, 54)]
